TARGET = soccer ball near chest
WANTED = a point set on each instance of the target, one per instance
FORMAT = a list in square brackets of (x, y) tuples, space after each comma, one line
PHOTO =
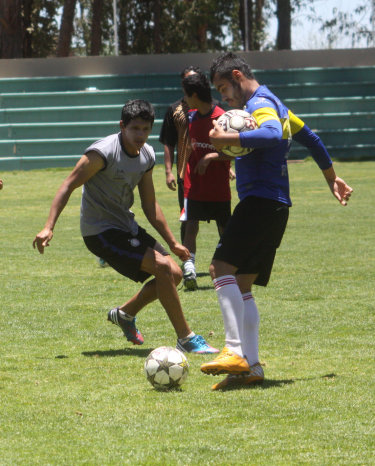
[(166, 368), (236, 121)]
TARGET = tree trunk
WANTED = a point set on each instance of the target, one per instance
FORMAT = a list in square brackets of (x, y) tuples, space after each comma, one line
[(247, 23), (96, 27), (157, 30), (66, 29), (27, 24), (284, 19), (258, 20), (11, 34), (123, 27)]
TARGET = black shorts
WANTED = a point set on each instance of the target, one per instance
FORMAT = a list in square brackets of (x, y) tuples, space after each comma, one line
[(123, 251), (252, 236), (206, 211)]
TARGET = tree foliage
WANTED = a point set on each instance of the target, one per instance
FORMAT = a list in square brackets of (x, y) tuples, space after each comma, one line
[(41, 28)]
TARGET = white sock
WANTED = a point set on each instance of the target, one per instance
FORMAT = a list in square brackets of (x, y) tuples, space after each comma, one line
[(185, 339), (189, 265), (250, 329), (125, 316), (232, 309)]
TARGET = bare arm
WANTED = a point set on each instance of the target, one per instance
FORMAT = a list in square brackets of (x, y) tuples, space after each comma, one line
[(1, 184), (168, 162), (86, 167), (156, 217), (339, 188), (204, 162)]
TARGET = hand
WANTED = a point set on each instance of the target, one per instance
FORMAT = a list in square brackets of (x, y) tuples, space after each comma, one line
[(180, 251), (216, 135), (42, 239), (340, 190), (1, 184), (202, 165), (232, 175), (171, 182)]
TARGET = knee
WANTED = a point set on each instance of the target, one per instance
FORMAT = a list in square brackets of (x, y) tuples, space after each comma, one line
[(212, 271), (167, 267), (177, 274)]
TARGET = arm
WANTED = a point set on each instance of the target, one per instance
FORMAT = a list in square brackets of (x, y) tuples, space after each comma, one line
[(156, 217), (203, 163), (267, 135), (1, 184), (168, 162), (86, 167)]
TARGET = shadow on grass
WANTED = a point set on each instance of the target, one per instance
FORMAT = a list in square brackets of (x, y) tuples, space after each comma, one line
[(203, 274), (200, 288), (270, 383), (140, 352)]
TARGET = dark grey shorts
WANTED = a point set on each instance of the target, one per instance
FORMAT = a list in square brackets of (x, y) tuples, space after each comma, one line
[(123, 251)]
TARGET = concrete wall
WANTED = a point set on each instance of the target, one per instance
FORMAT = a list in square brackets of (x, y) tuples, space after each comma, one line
[(171, 63)]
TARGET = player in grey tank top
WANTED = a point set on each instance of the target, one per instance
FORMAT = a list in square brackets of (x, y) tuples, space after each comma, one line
[(109, 171)]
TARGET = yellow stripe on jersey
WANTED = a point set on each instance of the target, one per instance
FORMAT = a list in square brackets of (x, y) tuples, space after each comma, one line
[(266, 114), (296, 124)]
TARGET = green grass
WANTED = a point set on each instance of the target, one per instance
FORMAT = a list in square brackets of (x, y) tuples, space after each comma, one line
[(73, 391)]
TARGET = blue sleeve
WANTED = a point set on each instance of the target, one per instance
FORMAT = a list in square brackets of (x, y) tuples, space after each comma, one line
[(268, 135), (315, 145)]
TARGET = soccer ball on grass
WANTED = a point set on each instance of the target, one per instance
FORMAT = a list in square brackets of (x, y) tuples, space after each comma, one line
[(236, 121), (166, 368)]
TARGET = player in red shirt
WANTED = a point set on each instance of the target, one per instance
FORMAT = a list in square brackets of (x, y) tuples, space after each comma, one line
[(206, 183)]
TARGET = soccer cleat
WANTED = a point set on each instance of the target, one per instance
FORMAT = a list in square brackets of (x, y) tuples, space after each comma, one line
[(227, 362), (196, 344), (127, 326), (190, 281), (255, 376)]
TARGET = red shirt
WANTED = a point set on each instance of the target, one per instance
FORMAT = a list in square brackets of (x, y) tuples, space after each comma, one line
[(213, 186)]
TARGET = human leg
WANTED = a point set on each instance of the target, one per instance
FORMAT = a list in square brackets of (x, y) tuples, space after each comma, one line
[(188, 267), (180, 192), (231, 359)]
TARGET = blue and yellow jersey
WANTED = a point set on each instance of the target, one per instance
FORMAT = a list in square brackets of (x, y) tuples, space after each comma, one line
[(263, 172)]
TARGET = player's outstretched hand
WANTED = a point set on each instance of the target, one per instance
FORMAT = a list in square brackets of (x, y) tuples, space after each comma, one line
[(42, 239), (180, 251), (171, 182), (340, 190)]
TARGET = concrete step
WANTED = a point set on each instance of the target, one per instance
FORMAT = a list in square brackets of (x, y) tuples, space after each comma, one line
[(69, 114), (342, 152), (49, 147), (90, 129), (88, 97), (331, 104), (81, 83)]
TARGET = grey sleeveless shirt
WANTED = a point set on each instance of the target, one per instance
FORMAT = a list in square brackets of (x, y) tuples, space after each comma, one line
[(108, 196)]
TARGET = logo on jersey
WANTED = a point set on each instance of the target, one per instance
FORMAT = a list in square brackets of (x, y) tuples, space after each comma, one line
[(201, 145), (134, 242)]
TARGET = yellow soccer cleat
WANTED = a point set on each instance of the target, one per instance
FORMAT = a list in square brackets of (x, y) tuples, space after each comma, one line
[(227, 362), (255, 376)]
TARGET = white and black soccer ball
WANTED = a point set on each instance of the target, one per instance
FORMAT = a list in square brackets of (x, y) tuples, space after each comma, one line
[(166, 368), (236, 121)]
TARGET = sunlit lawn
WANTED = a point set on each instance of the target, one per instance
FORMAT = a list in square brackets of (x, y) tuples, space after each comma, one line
[(73, 391)]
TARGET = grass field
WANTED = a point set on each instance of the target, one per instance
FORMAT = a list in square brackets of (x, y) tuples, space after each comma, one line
[(73, 391)]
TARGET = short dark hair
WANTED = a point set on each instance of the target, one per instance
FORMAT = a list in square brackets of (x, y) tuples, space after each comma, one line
[(198, 83), (226, 63), (137, 109), (186, 70)]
